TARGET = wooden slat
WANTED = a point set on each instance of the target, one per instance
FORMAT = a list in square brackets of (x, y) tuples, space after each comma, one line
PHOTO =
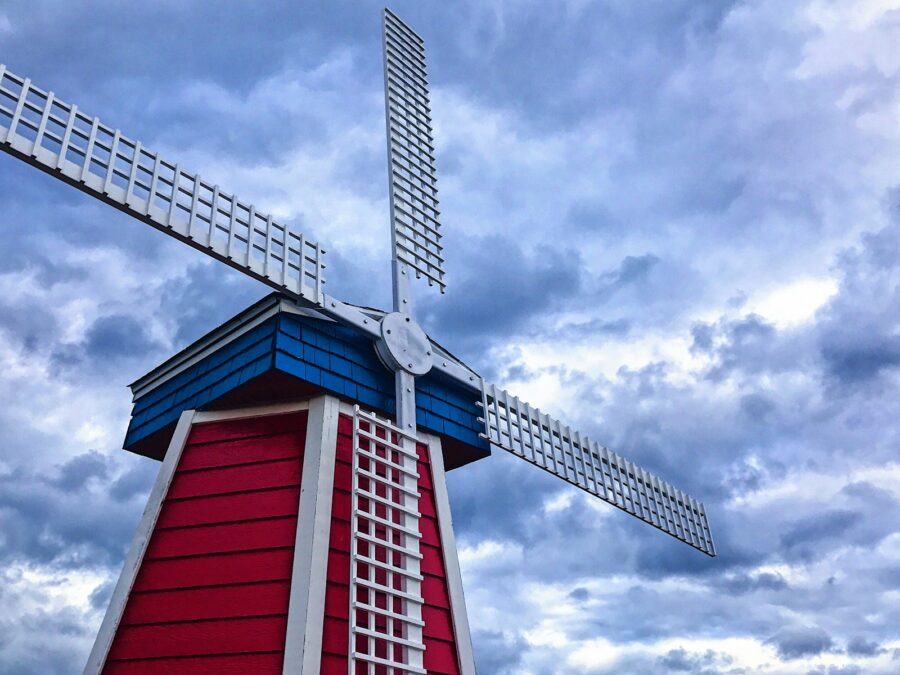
[(438, 622), (232, 664), (208, 603), (440, 657), (236, 479), (432, 560), (214, 570), (241, 451), (228, 538), (229, 508), (334, 638), (231, 430), (434, 590), (230, 636)]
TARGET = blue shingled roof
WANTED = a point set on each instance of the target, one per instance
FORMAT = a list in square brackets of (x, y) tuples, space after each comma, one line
[(317, 351)]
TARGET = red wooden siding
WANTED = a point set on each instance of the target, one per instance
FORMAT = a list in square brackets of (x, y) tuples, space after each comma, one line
[(440, 645), (212, 592)]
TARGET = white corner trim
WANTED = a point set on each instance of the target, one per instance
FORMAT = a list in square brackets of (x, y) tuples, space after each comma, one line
[(306, 611), (254, 411), (113, 616), (451, 559)]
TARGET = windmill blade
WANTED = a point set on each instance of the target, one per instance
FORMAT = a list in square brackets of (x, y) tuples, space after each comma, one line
[(538, 438), (59, 139), (416, 229)]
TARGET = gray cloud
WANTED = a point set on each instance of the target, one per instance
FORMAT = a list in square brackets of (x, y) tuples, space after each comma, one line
[(801, 641), (500, 653), (859, 646), (681, 661), (526, 286)]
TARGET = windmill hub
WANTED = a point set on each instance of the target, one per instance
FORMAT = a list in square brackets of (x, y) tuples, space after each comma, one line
[(404, 345)]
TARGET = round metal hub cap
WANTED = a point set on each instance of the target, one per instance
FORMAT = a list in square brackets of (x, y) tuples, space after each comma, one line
[(404, 345)]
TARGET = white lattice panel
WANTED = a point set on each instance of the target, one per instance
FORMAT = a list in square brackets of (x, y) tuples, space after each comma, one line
[(63, 141), (385, 581), (542, 440), (413, 181)]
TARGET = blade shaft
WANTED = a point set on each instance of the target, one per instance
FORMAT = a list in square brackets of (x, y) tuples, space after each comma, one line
[(405, 388)]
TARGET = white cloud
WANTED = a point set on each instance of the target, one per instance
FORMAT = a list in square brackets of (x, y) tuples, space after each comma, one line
[(792, 303), (801, 485), (488, 554)]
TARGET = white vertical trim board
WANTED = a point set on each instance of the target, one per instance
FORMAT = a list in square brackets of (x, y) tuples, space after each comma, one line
[(100, 650), (306, 610), (451, 559)]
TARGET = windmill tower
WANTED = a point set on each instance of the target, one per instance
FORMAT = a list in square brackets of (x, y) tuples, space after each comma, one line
[(300, 521)]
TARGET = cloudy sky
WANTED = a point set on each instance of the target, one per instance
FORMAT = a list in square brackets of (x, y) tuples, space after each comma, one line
[(676, 224)]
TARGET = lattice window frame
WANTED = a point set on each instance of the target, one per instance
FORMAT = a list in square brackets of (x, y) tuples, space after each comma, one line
[(386, 633)]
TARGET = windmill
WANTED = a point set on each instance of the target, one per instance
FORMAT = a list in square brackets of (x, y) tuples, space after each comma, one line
[(375, 604)]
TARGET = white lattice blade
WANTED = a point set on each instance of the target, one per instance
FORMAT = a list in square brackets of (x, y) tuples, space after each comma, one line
[(415, 215), (542, 440), (386, 626), (61, 140)]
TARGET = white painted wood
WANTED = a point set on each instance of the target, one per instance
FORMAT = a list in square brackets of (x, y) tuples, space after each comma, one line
[(398, 645), (306, 609), (97, 658), (451, 559), (252, 411)]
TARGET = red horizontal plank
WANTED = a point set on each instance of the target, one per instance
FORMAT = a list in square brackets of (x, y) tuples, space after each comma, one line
[(231, 636), (338, 567), (241, 451), (430, 532), (334, 665), (282, 473), (212, 570), (424, 475), (343, 476), (432, 560), (438, 623), (339, 537), (426, 503), (335, 637), (237, 664), (248, 426), (434, 592), (337, 601), (221, 602), (247, 536), (344, 450), (345, 425), (229, 508), (340, 505), (440, 658)]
